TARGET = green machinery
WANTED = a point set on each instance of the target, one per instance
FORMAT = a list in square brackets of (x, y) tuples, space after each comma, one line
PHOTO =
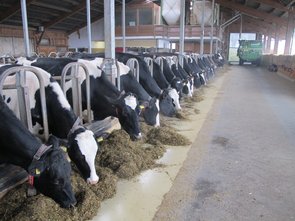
[(250, 51)]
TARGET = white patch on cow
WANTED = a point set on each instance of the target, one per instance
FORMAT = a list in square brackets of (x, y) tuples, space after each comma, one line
[(92, 67), (203, 77), (24, 61), (60, 95), (131, 101), (175, 97), (88, 148), (158, 114), (124, 69), (189, 94)]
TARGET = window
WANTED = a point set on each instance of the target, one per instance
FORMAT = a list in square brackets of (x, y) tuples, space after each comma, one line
[(130, 18), (145, 16)]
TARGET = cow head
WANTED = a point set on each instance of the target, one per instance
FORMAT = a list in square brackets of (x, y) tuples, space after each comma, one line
[(150, 112), (167, 107), (52, 175), (187, 89), (127, 113), (82, 151)]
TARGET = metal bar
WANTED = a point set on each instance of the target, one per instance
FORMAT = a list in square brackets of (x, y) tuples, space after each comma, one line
[(181, 32), (150, 63), (233, 19), (123, 26), (132, 63), (76, 87), (212, 24), (89, 26), (109, 36), (241, 27), (14, 70), (118, 76), (202, 28), (25, 27), (159, 61)]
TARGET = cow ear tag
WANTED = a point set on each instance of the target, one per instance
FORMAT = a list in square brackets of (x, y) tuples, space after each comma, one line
[(64, 148), (37, 171), (100, 139), (141, 106)]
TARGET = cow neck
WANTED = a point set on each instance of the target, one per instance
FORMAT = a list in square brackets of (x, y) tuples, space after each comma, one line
[(77, 125), (34, 168)]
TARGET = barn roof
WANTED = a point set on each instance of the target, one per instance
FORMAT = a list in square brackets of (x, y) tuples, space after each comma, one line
[(70, 15), (64, 15)]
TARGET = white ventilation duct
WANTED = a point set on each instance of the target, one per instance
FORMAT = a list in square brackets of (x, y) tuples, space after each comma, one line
[(196, 17), (171, 11)]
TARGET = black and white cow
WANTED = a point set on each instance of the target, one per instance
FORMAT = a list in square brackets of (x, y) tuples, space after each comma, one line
[(62, 121), (169, 98), (106, 99), (46, 164), (149, 106), (191, 66)]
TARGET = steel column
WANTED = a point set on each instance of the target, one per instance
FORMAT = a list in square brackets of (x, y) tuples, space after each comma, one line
[(109, 36), (181, 32), (25, 27), (241, 27), (212, 24), (89, 26), (123, 26), (203, 28)]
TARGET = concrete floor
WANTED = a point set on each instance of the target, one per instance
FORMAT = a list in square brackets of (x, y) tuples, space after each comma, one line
[(239, 167), (247, 168)]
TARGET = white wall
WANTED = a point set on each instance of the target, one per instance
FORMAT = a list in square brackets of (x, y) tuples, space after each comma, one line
[(97, 34), (14, 46), (161, 43)]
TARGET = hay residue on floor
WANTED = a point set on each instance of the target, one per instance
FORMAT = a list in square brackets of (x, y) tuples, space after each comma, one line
[(125, 157), (167, 136)]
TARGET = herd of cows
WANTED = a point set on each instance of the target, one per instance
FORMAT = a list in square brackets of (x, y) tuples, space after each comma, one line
[(158, 91)]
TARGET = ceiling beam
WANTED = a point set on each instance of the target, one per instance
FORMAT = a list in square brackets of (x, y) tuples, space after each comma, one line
[(273, 4), (66, 15), (252, 12), (52, 6), (12, 10)]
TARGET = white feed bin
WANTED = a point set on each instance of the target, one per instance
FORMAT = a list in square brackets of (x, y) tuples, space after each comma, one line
[(171, 11), (197, 9)]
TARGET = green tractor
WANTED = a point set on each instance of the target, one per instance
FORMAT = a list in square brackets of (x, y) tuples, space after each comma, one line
[(250, 51)]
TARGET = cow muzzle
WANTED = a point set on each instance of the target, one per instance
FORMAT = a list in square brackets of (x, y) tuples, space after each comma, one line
[(92, 181), (136, 136)]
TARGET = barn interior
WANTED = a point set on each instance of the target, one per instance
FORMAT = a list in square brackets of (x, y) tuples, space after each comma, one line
[(179, 31)]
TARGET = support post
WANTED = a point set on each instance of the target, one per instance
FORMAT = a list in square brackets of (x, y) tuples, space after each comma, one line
[(277, 39), (203, 28), (89, 26), (123, 26), (289, 32), (268, 44), (109, 36), (212, 24), (241, 27), (181, 33), (25, 27)]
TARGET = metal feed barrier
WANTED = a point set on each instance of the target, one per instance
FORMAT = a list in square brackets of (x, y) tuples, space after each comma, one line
[(159, 61), (150, 63), (132, 63), (103, 66), (23, 94), (71, 72)]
